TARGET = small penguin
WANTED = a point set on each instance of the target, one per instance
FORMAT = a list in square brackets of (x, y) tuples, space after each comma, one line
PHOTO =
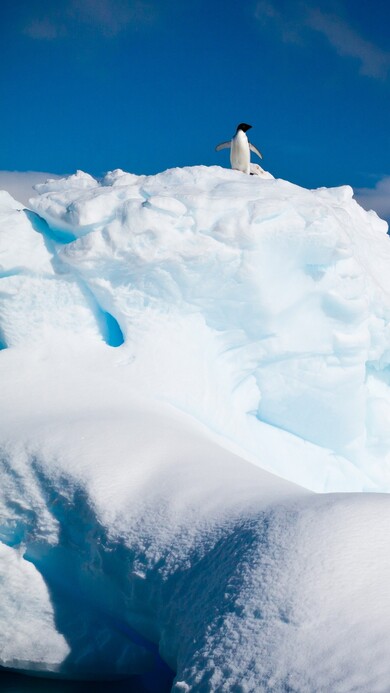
[(240, 149)]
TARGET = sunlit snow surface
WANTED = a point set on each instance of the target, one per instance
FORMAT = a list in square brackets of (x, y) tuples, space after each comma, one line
[(176, 350)]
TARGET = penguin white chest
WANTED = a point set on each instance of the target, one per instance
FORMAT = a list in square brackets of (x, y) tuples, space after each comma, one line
[(240, 153)]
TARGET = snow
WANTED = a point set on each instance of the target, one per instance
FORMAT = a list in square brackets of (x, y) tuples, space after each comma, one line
[(34, 635), (185, 359), (267, 302)]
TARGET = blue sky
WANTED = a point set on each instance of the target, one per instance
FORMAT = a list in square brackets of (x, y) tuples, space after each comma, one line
[(145, 85)]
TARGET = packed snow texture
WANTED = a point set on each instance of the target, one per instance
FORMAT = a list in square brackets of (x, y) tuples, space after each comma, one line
[(185, 358)]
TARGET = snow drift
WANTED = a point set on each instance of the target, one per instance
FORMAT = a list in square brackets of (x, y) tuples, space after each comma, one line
[(172, 346)]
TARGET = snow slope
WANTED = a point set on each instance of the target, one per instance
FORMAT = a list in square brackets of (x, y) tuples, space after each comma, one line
[(173, 346)]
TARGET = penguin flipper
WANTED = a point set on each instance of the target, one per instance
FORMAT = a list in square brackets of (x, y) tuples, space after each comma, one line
[(255, 150), (223, 145)]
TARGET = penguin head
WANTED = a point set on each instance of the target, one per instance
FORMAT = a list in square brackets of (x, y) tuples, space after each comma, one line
[(243, 126)]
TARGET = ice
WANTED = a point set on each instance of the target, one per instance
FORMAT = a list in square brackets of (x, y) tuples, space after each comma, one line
[(186, 358)]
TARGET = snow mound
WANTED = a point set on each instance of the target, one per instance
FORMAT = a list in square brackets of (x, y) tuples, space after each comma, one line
[(269, 304), (177, 350), (150, 535)]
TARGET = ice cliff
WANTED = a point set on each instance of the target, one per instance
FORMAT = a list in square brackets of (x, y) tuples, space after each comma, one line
[(185, 359)]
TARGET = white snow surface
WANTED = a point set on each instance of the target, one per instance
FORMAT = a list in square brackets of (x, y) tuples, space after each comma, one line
[(185, 359)]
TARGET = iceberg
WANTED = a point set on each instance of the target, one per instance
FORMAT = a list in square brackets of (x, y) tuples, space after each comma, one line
[(195, 405)]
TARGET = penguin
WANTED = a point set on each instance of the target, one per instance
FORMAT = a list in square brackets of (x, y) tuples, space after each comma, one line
[(240, 149)]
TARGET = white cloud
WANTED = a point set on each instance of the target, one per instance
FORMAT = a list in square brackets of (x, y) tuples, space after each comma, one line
[(377, 198), (106, 17), (111, 16), (42, 29), (290, 29), (298, 19), (374, 62), (20, 184)]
